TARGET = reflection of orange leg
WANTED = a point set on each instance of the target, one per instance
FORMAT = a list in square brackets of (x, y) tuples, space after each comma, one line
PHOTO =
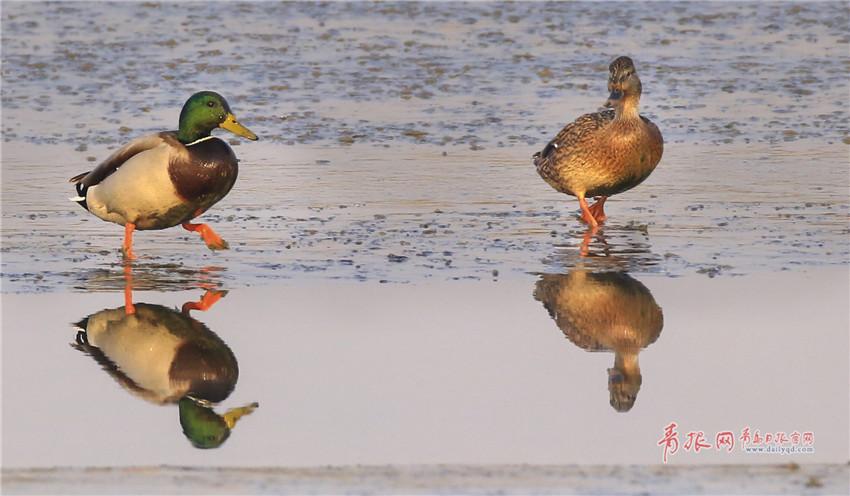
[(597, 211), (129, 309), (213, 241), (586, 216), (585, 242), (127, 247), (206, 285), (207, 277), (206, 301)]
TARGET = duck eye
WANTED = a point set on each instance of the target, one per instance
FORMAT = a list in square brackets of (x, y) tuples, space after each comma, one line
[(210, 104)]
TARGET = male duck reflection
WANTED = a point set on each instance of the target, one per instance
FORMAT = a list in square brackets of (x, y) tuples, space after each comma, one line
[(606, 311), (169, 178), (166, 356), (604, 153)]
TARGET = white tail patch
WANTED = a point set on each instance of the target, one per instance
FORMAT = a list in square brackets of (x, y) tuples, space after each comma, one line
[(77, 198)]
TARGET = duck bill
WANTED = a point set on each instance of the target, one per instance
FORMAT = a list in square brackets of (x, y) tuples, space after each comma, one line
[(234, 414), (613, 99), (231, 124)]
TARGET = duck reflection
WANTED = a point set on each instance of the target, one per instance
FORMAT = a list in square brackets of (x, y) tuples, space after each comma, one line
[(605, 311), (165, 356)]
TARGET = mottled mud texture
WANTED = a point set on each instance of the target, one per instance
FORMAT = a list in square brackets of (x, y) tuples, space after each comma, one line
[(440, 479), (396, 138)]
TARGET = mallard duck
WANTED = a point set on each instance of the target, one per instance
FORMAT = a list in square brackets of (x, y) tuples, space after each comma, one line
[(160, 354), (165, 356), (605, 311), (169, 178), (604, 153)]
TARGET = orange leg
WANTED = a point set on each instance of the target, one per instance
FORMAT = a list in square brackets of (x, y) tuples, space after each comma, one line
[(129, 308), (206, 301), (597, 209), (585, 242), (213, 241), (127, 247), (586, 215)]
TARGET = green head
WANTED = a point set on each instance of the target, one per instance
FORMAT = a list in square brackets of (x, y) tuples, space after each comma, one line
[(205, 111), (204, 427)]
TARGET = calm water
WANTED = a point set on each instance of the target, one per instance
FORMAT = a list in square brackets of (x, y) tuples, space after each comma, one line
[(438, 372), (402, 287)]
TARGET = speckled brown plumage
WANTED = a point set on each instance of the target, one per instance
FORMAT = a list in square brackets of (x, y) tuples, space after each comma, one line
[(604, 153), (571, 141), (601, 312)]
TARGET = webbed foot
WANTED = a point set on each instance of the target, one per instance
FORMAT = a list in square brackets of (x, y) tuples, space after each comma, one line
[(597, 211), (212, 240)]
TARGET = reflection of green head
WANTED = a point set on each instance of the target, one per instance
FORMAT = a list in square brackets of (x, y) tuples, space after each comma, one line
[(203, 427)]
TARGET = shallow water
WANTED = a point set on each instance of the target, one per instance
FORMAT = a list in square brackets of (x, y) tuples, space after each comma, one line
[(388, 232), (447, 372)]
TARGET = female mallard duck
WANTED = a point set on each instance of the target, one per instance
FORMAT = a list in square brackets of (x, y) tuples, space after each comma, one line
[(605, 311), (607, 152), (168, 178)]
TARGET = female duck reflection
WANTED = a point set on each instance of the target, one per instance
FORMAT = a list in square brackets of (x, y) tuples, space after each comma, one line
[(605, 311), (165, 356)]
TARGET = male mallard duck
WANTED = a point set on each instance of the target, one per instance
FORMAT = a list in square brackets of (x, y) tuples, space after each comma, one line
[(160, 354), (605, 311), (168, 178), (607, 152), (165, 356)]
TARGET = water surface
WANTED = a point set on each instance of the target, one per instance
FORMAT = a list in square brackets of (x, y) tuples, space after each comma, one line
[(476, 372)]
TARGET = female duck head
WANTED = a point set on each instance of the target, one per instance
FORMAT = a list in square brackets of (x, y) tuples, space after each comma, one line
[(205, 111), (623, 83)]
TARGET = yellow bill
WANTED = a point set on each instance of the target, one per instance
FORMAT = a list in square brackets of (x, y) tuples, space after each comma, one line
[(235, 414), (231, 124)]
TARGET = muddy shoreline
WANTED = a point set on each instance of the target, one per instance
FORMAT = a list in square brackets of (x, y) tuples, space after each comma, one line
[(437, 479)]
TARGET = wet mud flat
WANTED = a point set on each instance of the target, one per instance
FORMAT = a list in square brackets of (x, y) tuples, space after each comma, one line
[(440, 479), (373, 214), (478, 75), (422, 169)]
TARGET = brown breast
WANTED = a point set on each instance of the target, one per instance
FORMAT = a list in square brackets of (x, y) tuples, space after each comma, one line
[(205, 173)]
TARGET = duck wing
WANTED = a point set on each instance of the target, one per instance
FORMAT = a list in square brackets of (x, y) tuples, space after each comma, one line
[(117, 159), (571, 136)]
